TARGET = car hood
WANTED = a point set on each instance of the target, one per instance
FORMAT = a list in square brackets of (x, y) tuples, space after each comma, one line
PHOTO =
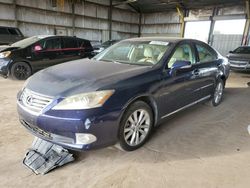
[(3, 47), (233, 56), (81, 76)]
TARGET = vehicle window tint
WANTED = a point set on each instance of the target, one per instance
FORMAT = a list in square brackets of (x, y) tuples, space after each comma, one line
[(4, 31), (205, 55), (13, 31), (81, 43), (52, 44), (242, 50), (182, 53), (69, 43)]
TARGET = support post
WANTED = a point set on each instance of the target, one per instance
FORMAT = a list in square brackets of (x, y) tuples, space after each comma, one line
[(110, 19), (15, 13), (73, 18), (182, 15), (211, 30), (245, 38), (140, 20)]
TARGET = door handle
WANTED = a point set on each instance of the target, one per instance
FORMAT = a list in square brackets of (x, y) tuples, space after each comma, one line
[(196, 72)]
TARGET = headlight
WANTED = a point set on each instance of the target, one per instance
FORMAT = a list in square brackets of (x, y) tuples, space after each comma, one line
[(5, 54), (84, 100)]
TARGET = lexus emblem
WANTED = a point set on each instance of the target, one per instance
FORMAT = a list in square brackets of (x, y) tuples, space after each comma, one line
[(29, 100)]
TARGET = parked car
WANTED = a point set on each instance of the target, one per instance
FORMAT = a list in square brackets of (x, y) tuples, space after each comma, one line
[(9, 35), (239, 58), (27, 56), (122, 93), (103, 46)]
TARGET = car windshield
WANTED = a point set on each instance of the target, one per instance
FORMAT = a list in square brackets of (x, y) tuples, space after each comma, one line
[(28, 41), (135, 52), (242, 50)]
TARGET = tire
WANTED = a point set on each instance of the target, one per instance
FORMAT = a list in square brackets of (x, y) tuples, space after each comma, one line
[(136, 126), (218, 92), (20, 71)]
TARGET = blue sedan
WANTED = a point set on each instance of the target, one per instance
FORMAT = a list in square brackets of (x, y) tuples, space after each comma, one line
[(121, 94)]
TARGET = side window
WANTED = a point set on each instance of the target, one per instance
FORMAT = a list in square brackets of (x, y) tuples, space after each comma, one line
[(81, 43), (205, 55), (69, 42), (52, 44), (13, 31), (182, 53), (4, 31)]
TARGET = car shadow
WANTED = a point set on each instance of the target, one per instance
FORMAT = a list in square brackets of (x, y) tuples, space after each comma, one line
[(199, 132)]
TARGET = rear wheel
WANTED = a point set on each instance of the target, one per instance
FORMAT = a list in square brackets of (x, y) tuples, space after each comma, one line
[(218, 93), (20, 71), (136, 126)]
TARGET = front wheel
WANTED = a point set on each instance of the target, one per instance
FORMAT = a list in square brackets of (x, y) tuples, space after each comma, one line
[(136, 126), (218, 93), (20, 71)]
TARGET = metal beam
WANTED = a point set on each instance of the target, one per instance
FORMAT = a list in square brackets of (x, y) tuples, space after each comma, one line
[(134, 7)]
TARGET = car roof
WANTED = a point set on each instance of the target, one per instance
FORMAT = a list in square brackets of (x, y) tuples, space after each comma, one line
[(165, 39), (47, 36), (8, 27)]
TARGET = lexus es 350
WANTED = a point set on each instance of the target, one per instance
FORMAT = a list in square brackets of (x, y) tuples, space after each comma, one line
[(122, 93)]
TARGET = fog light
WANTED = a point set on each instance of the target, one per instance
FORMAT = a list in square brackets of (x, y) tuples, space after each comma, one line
[(83, 138)]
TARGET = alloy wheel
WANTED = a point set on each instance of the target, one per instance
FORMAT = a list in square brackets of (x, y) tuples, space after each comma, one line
[(218, 92), (137, 127)]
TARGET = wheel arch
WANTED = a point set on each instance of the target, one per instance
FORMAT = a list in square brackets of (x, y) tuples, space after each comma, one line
[(149, 100), (13, 62)]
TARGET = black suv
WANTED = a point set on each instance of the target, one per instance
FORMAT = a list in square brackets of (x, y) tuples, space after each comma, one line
[(8, 35), (27, 56)]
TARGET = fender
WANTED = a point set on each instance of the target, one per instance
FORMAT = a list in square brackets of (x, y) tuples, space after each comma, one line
[(149, 99)]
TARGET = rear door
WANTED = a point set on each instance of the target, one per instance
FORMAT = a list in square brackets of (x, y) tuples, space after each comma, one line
[(86, 48), (71, 49), (206, 69)]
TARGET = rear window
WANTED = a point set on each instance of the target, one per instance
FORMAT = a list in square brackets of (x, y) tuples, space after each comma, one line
[(70, 43), (242, 50)]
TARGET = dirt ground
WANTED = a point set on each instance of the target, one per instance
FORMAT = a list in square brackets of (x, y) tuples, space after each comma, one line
[(201, 147)]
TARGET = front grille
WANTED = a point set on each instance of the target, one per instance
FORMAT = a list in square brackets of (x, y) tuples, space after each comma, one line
[(34, 101), (238, 62)]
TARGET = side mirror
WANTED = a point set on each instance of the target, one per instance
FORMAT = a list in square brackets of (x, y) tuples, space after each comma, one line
[(37, 48), (180, 64), (231, 52)]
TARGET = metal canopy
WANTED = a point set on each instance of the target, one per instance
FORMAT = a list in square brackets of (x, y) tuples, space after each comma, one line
[(150, 6)]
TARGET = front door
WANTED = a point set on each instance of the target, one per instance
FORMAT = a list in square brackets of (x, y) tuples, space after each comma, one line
[(71, 49), (176, 89), (47, 52)]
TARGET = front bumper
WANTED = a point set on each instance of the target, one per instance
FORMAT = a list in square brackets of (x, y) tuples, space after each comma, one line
[(61, 127), (4, 66)]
